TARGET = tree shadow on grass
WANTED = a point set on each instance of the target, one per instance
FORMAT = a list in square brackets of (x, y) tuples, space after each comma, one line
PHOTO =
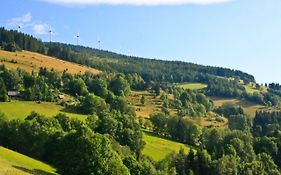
[(34, 171), (70, 110)]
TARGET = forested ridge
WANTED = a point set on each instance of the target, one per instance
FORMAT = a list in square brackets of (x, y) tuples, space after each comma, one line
[(155, 70), (110, 138)]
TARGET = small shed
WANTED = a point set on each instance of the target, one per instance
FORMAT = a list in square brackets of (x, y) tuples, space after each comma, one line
[(13, 93), (61, 96)]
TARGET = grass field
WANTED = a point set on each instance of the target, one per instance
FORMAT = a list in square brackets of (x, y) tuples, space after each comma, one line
[(250, 108), (13, 163), (21, 109), (33, 61), (157, 148), (193, 86)]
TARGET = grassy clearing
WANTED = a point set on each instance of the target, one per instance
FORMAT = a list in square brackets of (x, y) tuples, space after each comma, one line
[(157, 148), (13, 163), (212, 119), (251, 90), (31, 61), (249, 107), (21, 109), (151, 104), (193, 86)]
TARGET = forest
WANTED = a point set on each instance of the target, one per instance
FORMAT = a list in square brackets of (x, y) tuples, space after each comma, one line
[(110, 139)]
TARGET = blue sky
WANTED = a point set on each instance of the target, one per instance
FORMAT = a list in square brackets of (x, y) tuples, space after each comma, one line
[(239, 34)]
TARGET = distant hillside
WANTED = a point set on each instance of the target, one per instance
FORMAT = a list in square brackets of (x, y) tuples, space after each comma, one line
[(149, 69), (31, 61)]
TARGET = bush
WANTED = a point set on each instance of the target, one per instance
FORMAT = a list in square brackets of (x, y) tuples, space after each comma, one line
[(12, 47), (220, 119)]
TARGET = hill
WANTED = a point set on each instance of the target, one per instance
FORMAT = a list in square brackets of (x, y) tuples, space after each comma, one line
[(31, 61), (155, 70), (13, 163)]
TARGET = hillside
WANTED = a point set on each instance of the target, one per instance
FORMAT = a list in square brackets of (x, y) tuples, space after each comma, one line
[(31, 61), (155, 69), (138, 112), (13, 163)]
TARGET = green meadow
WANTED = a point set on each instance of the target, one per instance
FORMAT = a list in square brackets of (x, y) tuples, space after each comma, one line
[(21, 109), (13, 163), (193, 86), (158, 148)]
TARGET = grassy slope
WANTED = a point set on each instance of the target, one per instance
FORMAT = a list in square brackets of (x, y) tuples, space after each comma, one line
[(33, 61), (193, 85), (13, 163), (20, 109), (157, 148), (250, 108)]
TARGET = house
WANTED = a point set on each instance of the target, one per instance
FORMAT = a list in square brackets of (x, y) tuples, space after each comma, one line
[(13, 93)]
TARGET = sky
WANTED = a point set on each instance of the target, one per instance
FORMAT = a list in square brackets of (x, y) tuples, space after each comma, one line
[(237, 34)]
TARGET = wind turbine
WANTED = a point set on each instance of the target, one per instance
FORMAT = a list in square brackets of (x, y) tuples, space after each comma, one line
[(50, 32), (18, 27), (99, 44), (77, 37)]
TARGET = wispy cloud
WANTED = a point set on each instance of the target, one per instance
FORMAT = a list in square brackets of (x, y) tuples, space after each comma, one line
[(21, 21), (26, 21), (40, 28), (136, 2)]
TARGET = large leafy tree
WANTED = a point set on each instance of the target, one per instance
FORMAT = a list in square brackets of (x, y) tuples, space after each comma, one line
[(77, 87), (120, 86), (94, 155), (93, 104)]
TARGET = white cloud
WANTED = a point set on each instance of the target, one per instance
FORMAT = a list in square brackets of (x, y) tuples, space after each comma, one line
[(26, 21), (40, 28), (21, 21), (135, 2)]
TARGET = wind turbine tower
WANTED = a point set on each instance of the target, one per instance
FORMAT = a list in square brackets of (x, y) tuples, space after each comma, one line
[(18, 27), (99, 44), (50, 32), (77, 38)]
